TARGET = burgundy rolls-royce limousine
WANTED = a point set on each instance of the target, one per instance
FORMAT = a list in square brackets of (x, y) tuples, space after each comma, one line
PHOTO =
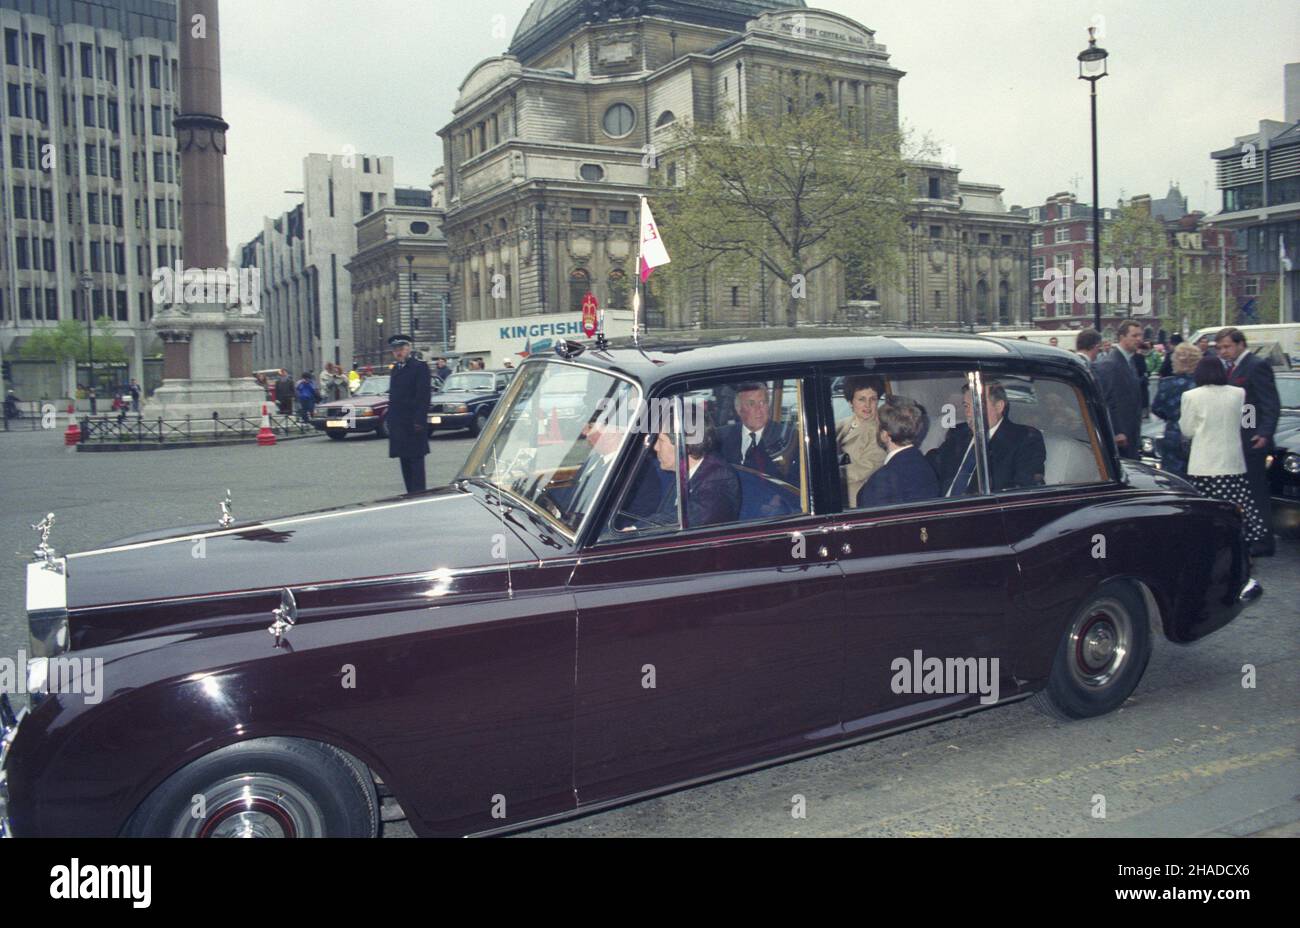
[(735, 554)]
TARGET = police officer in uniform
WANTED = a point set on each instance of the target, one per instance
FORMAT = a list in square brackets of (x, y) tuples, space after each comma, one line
[(408, 413)]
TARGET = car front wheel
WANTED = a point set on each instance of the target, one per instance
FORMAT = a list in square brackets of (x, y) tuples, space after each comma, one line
[(264, 788), (1101, 657), (479, 421)]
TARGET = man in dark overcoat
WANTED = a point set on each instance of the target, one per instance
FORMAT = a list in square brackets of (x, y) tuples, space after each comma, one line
[(407, 420)]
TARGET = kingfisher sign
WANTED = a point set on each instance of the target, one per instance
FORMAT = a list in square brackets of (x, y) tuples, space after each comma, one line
[(501, 340)]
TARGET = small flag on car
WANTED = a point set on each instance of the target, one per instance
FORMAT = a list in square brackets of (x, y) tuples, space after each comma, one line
[(653, 253)]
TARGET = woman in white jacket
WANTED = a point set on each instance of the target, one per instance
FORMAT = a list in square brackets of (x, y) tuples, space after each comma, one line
[(1211, 420)]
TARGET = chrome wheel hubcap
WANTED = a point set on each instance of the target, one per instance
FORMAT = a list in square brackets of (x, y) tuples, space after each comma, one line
[(256, 805), (1100, 642)]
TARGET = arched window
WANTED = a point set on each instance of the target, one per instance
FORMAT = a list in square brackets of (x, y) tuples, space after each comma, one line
[(982, 302), (1004, 303), (617, 289), (579, 286), (666, 118)]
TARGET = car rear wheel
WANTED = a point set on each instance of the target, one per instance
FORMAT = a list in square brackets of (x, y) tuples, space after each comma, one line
[(1100, 658), (264, 788)]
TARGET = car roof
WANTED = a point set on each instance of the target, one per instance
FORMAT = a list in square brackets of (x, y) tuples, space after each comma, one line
[(712, 352)]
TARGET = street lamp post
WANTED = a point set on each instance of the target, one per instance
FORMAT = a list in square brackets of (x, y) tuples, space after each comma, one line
[(445, 346), (1092, 68), (379, 353), (410, 286), (87, 286)]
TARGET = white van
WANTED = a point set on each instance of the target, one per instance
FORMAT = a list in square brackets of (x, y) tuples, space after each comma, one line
[(1286, 334)]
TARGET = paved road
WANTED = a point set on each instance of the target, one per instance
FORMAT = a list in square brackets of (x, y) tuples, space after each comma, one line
[(1192, 753)]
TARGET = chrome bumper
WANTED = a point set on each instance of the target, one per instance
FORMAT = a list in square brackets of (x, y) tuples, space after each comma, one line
[(1250, 592)]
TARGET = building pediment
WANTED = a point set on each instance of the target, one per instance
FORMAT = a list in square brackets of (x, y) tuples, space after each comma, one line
[(486, 75)]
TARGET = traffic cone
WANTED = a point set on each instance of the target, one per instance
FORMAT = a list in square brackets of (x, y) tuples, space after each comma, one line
[(73, 435), (265, 436)]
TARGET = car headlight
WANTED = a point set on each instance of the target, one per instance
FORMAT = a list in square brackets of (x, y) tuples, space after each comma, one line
[(462, 409), (1292, 464), (365, 413)]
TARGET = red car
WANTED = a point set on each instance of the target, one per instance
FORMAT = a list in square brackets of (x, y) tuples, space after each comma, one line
[(361, 413)]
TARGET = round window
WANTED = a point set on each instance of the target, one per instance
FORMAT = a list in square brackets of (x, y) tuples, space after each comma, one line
[(619, 120), (419, 228)]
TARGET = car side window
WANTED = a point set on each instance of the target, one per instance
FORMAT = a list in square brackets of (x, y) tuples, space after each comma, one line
[(904, 437), (1056, 412), (717, 454)]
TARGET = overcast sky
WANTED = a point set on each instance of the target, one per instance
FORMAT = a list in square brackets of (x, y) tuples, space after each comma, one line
[(996, 81)]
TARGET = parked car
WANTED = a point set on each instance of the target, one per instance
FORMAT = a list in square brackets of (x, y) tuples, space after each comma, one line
[(1284, 463), (570, 624), (362, 413), (466, 400)]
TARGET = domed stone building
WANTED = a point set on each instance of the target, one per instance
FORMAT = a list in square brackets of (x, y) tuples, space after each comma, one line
[(552, 142)]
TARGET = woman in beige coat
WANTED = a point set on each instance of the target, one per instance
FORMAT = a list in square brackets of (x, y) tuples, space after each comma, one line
[(856, 435)]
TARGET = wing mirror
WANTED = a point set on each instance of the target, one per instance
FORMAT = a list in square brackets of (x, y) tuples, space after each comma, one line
[(286, 615)]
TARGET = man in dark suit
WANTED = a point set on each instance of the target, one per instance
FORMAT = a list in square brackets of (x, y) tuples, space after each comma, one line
[(1017, 455), (407, 419), (1121, 389), (1253, 374), (757, 442), (906, 476), (712, 487)]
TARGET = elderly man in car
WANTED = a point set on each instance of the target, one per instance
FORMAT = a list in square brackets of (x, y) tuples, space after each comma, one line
[(1017, 454), (756, 441)]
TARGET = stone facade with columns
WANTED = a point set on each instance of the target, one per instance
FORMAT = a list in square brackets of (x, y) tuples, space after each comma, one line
[(551, 144)]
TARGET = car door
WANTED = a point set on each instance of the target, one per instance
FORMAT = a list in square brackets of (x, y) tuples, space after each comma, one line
[(1076, 529), (926, 582), (705, 649)]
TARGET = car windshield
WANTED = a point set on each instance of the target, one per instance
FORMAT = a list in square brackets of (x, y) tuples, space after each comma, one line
[(555, 437), (1288, 389), (372, 386), (470, 383)]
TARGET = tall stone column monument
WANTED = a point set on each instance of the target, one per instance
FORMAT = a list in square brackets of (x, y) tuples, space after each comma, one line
[(206, 330)]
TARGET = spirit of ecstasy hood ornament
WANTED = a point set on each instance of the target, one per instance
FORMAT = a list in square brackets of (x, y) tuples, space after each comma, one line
[(43, 551), (227, 519)]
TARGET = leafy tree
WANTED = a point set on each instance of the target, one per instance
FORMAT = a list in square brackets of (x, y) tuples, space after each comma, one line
[(1135, 239), (1198, 301), (786, 187), (66, 343)]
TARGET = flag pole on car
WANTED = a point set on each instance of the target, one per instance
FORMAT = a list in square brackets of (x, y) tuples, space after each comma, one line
[(651, 253)]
